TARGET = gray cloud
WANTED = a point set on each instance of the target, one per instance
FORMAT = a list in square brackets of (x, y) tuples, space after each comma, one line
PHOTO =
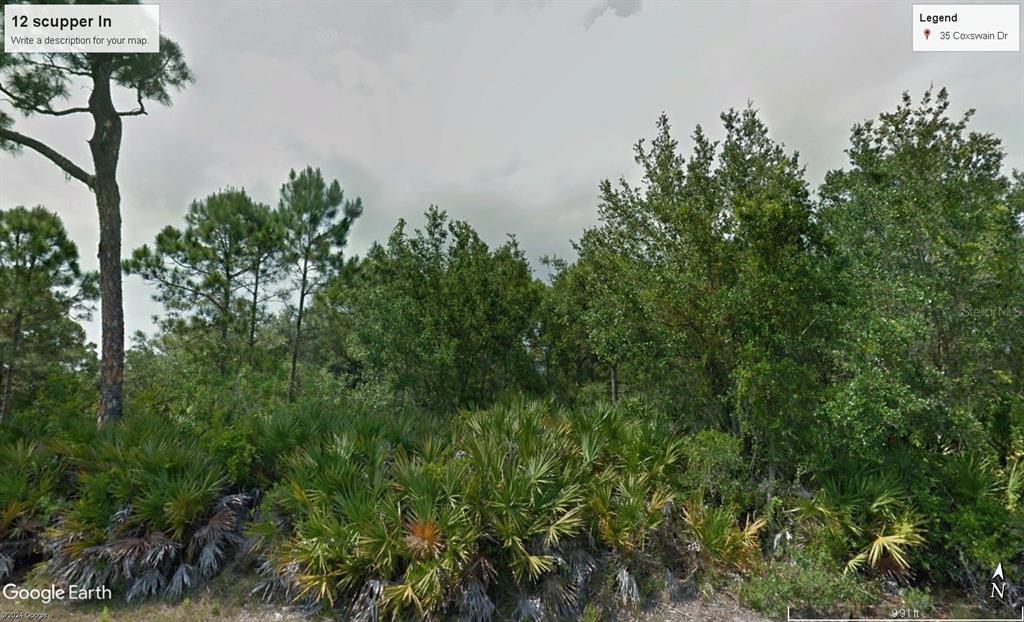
[(619, 8), (505, 114)]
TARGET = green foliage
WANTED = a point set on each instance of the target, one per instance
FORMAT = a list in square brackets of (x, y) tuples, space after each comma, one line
[(209, 274), (31, 493), (42, 289), (922, 219), (445, 319), (520, 496), (866, 519), (33, 87), (234, 448), (714, 468), (916, 599), (332, 327), (974, 529), (154, 514), (810, 583), (812, 396), (707, 285), (568, 364), (154, 505), (719, 542), (315, 234), (927, 376), (1015, 485)]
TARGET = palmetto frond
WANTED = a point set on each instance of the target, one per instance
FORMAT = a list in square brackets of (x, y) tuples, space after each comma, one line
[(559, 596), (529, 609), (716, 537), (626, 589), (525, 491), (868, 515), (424, 539), (472, 602), (890, 544), (1014, 484), (367, 605), (6, 566)]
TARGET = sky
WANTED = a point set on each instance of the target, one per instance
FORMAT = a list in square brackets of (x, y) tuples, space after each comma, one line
[(505, 114)]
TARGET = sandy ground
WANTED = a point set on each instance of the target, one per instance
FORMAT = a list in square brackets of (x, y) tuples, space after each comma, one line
[(227, 599), (719, 609), (226, 605), (220, 607), (203, 610)]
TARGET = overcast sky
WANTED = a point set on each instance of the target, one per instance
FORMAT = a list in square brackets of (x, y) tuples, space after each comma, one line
[(504, 114)]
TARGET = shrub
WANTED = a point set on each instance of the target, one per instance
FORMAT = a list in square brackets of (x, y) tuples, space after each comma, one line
[(865, 519), (715, 468), (717, 540), (973, 528), (527, 496), (810, 582), (155, 513), (30, 495), (917, 600)]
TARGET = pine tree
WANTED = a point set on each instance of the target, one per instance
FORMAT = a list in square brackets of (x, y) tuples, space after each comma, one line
[(41, 285), (317, 219), (37, 84)]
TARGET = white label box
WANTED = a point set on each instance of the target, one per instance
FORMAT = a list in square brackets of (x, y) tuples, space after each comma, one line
[(966, 27), (81, 28)]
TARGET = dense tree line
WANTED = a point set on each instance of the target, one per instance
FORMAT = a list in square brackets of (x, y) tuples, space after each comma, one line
[(721, 287), (852, 350)]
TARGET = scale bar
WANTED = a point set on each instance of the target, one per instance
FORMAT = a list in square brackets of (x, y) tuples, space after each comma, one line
[(790, 618)]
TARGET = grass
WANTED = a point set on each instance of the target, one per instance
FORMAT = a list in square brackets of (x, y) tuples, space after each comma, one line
[(224, 598)]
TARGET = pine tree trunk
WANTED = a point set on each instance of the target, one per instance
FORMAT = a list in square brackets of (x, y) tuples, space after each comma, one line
[(105, 145), (222, 359), (615, 383), (298, 332), (7, 397), (255, 308)]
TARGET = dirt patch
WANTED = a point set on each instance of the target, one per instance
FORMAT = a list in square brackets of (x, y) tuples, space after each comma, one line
[(717, 609)]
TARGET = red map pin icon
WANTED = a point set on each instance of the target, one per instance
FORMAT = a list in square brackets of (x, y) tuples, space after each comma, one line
[(927, 33)]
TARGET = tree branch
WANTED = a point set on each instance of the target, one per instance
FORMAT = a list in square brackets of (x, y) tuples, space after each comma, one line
[(50, 154), (21, 104), (140, 110), (56, 67), (198, 293)]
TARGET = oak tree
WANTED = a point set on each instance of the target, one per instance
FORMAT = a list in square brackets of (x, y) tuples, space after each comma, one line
[(444, 319)]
